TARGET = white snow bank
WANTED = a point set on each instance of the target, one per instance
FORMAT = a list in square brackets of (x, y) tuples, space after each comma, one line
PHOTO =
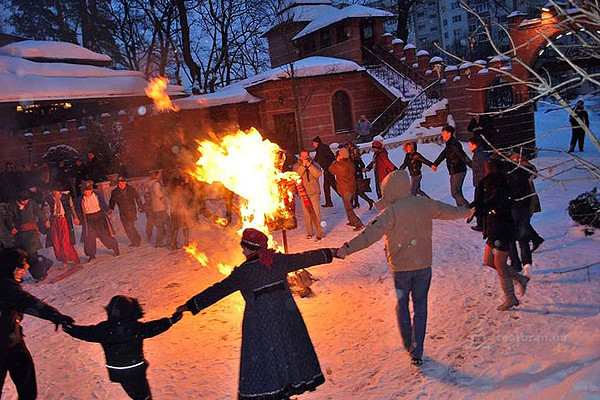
[(329, 18), (229, 95), (31, 49)]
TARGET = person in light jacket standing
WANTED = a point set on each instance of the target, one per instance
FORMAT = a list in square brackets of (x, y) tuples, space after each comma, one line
[(159, 206), (406, 223), (310, 172)]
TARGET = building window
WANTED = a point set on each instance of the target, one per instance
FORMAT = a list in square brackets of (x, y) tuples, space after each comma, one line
[(446, 35), (445, 22), (500, 95), (457, 18), (342, 112), (325, 38), (433, 29), (458, 32), (341, 33), (219, 114), (308, 44)]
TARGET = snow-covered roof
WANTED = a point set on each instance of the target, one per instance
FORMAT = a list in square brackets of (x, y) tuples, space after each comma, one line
[(397, 41), (47, 50), (410, 46), (451, 68), (422, 53), (24, 80), (232, 94), (465, 65), (436, 59), (305, 13), (311, 66), (330, 18), (516, 13)]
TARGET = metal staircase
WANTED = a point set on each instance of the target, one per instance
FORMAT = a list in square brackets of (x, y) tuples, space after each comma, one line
[(413, 91)]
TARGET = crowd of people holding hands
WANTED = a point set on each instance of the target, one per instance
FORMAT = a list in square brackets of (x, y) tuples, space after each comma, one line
[(278, 359)]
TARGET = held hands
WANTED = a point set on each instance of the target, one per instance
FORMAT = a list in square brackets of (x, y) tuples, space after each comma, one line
[(176, 317), (341, 253), (62, 320), (47, 224), (433, 168), (76, 221), (470, 218)]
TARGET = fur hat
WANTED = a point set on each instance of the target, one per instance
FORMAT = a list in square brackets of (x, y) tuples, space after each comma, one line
[(124, 308), (317, 139)]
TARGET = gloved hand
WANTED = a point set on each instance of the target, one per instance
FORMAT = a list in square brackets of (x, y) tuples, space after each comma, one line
[(62, 320), (176, 317)]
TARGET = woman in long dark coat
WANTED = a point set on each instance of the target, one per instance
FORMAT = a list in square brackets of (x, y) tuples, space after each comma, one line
[(278, 359)]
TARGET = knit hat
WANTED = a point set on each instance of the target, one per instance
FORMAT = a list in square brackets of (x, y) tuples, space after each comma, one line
[(23, 195), (317, 139), (377, 141), (258, 242), (344, 153), (88, 185), (121, 179)]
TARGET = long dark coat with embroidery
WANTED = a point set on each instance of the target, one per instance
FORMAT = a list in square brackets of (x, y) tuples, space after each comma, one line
[(278, 359)]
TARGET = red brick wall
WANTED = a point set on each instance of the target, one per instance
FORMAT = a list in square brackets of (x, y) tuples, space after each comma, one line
[(316, 94)]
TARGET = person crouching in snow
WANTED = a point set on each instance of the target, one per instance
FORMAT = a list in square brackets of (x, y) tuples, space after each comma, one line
[(406, 223), (14, 302), (414, 161), (121, 337), (277, 359)]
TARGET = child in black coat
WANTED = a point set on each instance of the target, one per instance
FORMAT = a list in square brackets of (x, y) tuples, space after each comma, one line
[(414, 161), (121, 337)]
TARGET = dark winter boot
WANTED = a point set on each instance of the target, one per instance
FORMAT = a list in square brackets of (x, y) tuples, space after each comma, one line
[(520, 280), (509, 293)]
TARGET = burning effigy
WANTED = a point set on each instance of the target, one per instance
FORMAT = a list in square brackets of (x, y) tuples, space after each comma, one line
[(249, 166)]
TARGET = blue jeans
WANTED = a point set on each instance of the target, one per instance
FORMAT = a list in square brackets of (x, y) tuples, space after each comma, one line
[(456, 184), (416, 284)]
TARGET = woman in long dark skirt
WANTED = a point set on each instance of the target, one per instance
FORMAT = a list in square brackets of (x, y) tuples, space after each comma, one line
[(278, 359)]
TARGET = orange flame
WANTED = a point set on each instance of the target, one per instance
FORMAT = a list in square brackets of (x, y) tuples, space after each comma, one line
[(157, 91), (192, 249), (224, 269)]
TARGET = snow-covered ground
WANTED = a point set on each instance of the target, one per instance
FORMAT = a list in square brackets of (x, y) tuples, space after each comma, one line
[(548, 348)]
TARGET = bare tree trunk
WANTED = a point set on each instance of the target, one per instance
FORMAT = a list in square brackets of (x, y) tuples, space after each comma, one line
[(85, 23), (185, 42)]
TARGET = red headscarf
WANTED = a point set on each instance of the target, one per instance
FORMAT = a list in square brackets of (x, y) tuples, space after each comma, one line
[(258, 242)]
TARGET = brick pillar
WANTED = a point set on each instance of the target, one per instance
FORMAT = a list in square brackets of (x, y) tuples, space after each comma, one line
[(386, 41), (423, 60), (398, 47), (410, 54)]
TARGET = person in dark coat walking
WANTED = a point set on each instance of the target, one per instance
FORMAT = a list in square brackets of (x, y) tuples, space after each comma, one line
[(61, 235), (578, 133), (15, 358), (493, 200), (344, 172), (24, 219), (359, 167), (480, 157), (381, 163), (414, 161), (128, 199), (78, 172), (456, 161), (10, 184), (95, 223), (122, 337), (181, 196), (324, 157), (94, 168), (278, 359)]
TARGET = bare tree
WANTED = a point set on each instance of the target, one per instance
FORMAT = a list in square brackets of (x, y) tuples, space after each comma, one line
[(575, 16)]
